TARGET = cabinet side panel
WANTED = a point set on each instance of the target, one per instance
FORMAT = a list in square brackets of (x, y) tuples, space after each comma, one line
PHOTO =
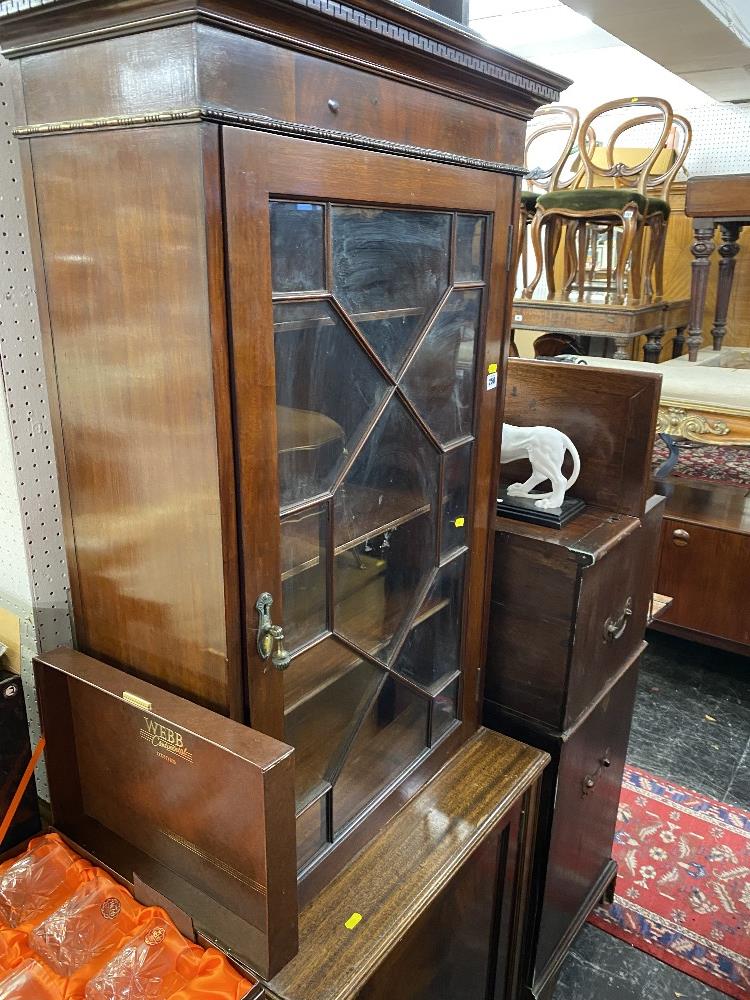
[(124, 250)]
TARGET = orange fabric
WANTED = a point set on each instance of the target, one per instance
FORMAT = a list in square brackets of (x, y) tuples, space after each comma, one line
[(14, 949), (31, 981), (215, 978), (72, 933)]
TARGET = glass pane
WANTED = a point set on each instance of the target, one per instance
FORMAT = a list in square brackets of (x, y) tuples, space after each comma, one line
[(440, 379), (326, 690), (457, 478), (431, 650), (469, 248), (390, 269), (384, 532), (392, 736), (326, 391), (444, 711), (297, 247), (311, 830), (303, 576)]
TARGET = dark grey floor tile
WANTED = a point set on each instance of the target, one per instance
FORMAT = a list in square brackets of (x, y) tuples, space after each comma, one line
[(601, 967), (692, 718)]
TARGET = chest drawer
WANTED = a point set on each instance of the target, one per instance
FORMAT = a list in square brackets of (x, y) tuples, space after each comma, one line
[(568, 611)]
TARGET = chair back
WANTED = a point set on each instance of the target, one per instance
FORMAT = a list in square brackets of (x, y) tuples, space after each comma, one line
[(548, 176), (624, 175), (658, 182)]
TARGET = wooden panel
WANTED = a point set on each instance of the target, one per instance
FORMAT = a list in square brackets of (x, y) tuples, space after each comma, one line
[(125, 256), (393, 881), (609, 415), (149, 72), (707, 578), (622, 579), (580, 843), (533, 594), (719, 195), (449, 951)]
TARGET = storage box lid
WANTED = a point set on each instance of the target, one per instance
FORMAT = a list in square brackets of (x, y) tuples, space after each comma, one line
[(197, 806)]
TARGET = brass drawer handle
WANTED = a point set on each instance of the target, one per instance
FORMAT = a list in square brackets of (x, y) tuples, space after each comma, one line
[(614, 628), (589, 782), (680, 536)]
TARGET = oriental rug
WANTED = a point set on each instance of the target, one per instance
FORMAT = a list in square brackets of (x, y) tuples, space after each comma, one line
[(683, 887)]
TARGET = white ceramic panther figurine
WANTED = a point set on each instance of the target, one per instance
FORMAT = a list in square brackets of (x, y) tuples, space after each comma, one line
[(545, 448)]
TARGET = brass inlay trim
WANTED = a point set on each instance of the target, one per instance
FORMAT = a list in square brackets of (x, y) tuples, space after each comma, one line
[(216, 862), (134, 699), (277, 126)]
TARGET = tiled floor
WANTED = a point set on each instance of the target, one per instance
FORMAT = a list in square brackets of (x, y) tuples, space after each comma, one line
[(692, 726)]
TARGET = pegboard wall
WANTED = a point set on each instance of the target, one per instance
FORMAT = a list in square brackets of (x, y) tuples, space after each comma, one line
[(721, 139), (33, 571)]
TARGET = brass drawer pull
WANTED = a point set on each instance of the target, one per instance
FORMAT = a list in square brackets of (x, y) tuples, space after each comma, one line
[(589, 782), (680, 536), (615, 627)]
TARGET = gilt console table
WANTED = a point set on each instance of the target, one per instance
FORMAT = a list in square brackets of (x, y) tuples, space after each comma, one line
[(712, 201)]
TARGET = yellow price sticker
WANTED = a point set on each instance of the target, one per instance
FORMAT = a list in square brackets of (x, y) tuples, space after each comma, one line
[(353, 920), (491, 369), (459, 522)]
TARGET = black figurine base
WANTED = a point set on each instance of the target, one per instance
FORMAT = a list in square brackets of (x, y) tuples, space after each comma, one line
[(525, 509)]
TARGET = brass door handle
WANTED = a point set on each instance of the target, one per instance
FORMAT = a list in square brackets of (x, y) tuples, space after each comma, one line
[(270, 636), (614, 628), (680, 536)]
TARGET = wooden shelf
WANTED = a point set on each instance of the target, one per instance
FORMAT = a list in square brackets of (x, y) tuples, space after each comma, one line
[(378, 513)]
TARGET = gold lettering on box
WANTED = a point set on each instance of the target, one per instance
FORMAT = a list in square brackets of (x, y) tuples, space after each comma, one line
[(165, 741)]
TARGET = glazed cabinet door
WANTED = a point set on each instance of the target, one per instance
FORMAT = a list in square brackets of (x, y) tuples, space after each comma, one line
[(367, 295)]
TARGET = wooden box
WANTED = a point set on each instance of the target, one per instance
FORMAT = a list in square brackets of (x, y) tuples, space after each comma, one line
[(568, 610), (188, 808)]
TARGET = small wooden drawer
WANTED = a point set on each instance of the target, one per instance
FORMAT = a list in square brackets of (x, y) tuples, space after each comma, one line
[(342, 98), (569, 609)]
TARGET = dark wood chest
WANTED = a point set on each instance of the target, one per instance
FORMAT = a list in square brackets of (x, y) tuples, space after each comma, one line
[(567, 617)]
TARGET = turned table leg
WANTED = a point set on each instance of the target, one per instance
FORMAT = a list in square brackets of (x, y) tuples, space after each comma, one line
[(679, 342), (728, 250), (623, 349), (702, 248), (652, 347)]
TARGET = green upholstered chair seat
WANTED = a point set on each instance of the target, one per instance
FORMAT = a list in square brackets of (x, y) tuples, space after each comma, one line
[(592, 200), (658, 205), (529, 200)]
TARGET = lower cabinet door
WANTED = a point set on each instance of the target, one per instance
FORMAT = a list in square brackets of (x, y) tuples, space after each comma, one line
[(581, 813), (467, 943)]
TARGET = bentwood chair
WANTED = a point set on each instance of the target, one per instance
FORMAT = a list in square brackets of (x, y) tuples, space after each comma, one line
[(624, 203), (556, 166), (658, 188)]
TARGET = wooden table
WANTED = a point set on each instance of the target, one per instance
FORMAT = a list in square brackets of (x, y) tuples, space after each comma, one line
[(622, 324), (722, 201)]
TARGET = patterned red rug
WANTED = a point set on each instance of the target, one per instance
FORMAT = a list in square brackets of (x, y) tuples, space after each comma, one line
[(721, 465), (683, 887)]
